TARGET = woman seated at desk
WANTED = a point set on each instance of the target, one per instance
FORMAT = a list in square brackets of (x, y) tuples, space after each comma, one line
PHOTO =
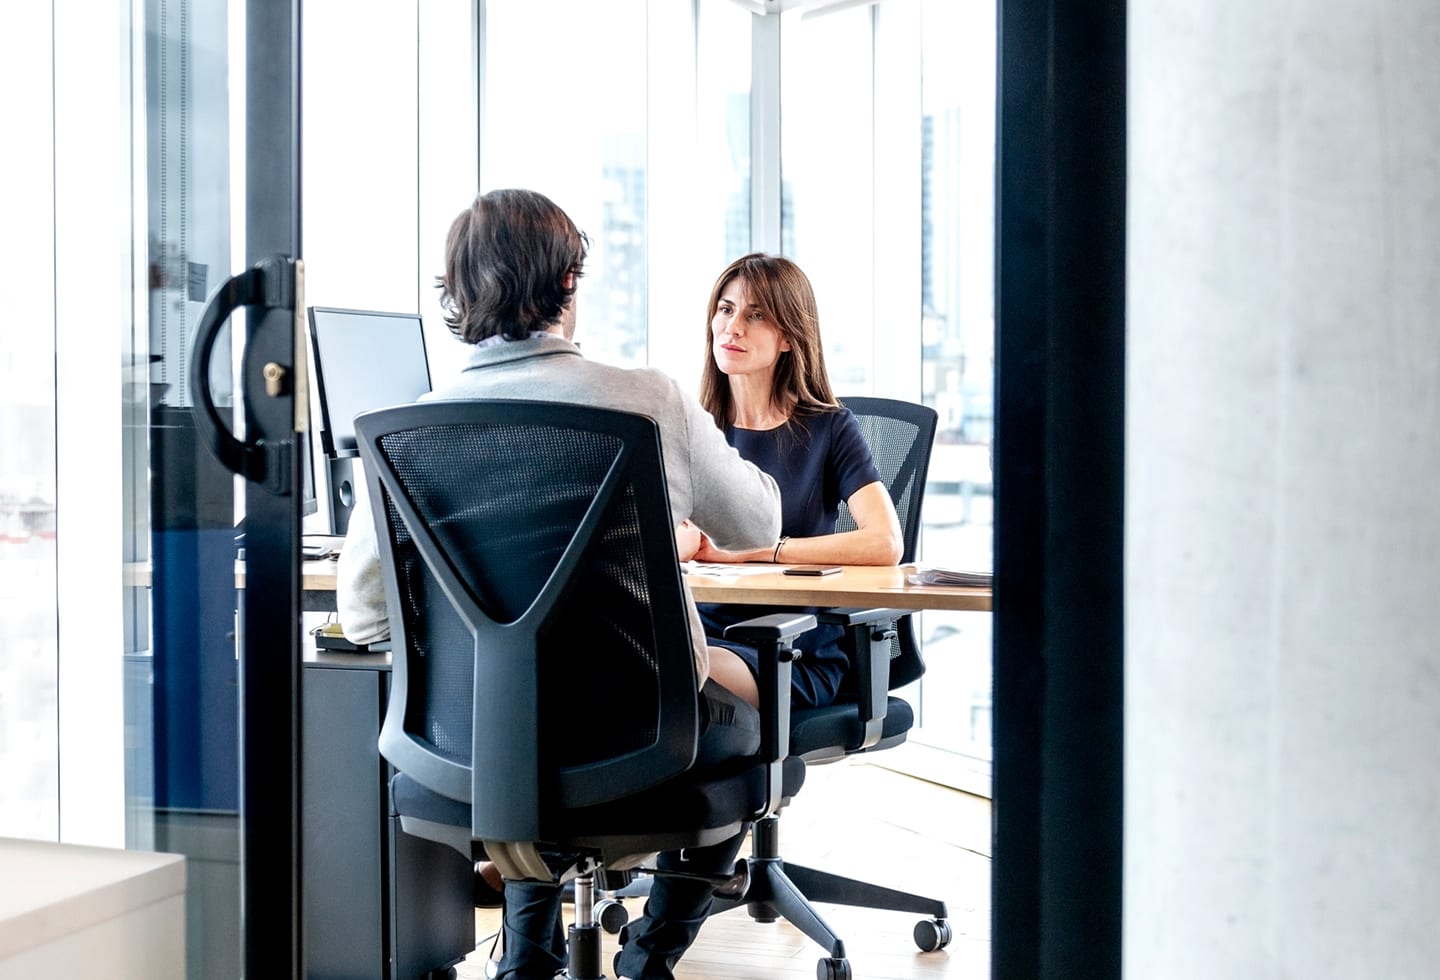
[(764, 382)]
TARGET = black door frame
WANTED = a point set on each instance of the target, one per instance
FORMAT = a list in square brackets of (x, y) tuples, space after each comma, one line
[(1059, 481), (270, 655)]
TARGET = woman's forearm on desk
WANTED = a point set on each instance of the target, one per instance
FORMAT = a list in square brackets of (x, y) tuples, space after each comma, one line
[(876, 540)]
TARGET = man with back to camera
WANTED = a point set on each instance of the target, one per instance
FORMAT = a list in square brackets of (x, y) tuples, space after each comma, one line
[(512, 263)]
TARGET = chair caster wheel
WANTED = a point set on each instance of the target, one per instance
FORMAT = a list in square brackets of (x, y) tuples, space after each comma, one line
[(932, 934), (832, 969), (611, 915)]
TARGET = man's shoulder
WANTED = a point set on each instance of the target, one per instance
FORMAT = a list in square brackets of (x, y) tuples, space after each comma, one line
[(631, 384), (644, 374), (534, 374)]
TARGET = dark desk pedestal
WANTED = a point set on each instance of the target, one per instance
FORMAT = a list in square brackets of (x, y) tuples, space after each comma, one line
[(378, 903)]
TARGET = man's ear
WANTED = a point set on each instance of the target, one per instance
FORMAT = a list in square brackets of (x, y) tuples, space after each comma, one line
[(568, 280)]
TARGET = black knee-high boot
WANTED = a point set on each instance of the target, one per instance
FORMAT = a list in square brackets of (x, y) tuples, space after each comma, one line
[(534, 942), (675, 911)]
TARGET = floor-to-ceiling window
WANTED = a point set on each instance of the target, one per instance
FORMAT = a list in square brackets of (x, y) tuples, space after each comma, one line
[(957, 141), (639, 127), (887, 189), (655, 126), (29, 732), (67, 383), (564, 104), (827, 180)]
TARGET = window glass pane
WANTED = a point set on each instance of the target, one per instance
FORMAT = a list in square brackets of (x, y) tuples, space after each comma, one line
[(826, 179), (29, 793), (181, 674), (360, 157), (723, 100), (699, 152), (564, 114), (957, 192)]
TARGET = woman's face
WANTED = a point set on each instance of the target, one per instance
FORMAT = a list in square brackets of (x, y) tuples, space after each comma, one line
[(745, 340)]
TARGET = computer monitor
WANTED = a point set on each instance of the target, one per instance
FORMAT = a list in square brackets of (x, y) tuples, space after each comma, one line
[(309, 500), (363, 360)]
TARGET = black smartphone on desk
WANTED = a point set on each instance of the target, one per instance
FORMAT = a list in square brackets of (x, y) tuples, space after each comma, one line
[(812, 569)]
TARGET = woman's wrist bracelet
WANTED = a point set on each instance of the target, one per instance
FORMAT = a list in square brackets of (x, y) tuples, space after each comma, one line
[(775, 558)]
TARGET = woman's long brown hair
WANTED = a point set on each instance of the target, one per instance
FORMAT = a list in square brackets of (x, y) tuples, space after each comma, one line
[(782, 292)]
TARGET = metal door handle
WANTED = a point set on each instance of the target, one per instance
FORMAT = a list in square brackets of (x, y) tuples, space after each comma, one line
[(269, 284)]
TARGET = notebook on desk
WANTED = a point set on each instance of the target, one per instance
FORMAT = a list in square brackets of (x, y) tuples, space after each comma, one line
[(313, 547), (727, 570), (330, 637), (318, 546), (935, 575)]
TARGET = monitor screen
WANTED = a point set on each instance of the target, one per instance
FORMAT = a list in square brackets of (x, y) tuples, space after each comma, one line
[(363, 361)]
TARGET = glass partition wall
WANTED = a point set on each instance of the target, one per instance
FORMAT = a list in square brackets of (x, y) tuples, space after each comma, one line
[(120, 645), (117, 226), (669, 134), (181, 658)]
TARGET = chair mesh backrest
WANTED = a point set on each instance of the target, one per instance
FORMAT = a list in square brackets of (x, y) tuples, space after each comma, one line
[(503, 508), (892, 443), (900, 436)]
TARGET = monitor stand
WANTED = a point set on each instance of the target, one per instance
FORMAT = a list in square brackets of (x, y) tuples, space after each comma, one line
[(342, 494)]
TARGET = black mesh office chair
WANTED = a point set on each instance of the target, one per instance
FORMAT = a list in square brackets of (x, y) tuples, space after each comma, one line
[(900, 435), (543, 708), (866, 718)]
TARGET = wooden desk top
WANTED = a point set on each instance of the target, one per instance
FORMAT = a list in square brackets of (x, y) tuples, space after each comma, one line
[(316, 576), (856, 585)]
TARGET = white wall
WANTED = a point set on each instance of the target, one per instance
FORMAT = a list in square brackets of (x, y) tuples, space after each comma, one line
[(1283, 518)]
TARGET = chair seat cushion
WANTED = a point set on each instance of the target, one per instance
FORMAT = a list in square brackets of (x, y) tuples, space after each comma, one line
[(697, 800), (838, 724), (409, 799), (710, 798)]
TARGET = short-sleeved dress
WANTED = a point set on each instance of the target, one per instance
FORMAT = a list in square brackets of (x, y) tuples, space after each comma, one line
[(817, 461)]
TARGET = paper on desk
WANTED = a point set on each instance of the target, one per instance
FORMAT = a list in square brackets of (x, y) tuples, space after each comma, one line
[(935, 575), (725, 569)]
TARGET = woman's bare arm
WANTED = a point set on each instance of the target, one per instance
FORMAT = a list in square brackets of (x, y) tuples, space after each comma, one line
[(876, 539)]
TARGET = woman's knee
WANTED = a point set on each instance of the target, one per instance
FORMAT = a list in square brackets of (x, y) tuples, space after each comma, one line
[(733, 674)]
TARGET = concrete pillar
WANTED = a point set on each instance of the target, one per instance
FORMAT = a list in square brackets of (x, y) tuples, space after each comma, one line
[(1283, 490)]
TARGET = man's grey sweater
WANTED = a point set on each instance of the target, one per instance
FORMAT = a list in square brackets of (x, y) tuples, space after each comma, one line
[(733, 502)]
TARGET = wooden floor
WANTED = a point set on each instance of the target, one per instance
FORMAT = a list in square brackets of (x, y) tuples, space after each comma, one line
[(862, 821)]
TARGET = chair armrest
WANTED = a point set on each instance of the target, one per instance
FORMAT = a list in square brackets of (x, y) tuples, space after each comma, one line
[(871, 631), (772, 636)]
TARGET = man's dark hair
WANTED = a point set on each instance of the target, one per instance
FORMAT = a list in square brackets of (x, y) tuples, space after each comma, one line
[(506, 260)]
